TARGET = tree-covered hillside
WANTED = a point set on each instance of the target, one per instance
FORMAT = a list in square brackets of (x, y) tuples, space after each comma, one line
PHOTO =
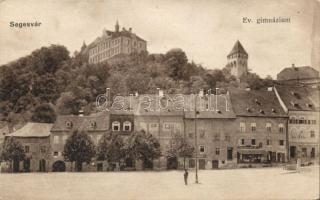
[(49, 82)]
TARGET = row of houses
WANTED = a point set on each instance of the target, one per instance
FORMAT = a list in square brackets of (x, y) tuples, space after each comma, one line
[(238, 129)]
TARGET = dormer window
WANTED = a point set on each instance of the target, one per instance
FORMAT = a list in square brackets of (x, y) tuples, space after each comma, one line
[(69, 124), (273, 110), (127, 126), (309, 105), (116, 126), (294, 104), (248, 110), (261, 111), (93, 124)]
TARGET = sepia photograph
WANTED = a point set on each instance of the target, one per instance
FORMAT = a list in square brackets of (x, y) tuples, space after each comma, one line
[(159, 100)]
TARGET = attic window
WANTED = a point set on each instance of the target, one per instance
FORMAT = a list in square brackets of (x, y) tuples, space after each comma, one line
[(219, 111), (69, 124), (248, 110), (261, 111), (295, 94), (273, 110), (93, 124), (309, 105), (294, 104)]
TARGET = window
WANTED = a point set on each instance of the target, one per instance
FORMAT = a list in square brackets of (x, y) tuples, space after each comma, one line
[(216, 137), (201, 149), (268, 126), (268, 142), (168, 126), (68, 124), (27, 149), (55, 153), (312, 134), (116, 126), (281, 142), (153, 125), (127, 126), (227, 138), (93, 124), (43, 149), (56, 139), (217, 151), (281, 128), (242, 127), (253, 127), (253, 142), (242, 141)]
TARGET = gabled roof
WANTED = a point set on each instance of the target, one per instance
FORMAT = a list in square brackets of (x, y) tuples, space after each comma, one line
[(256, 103), (237, 48), (82, 123), (299, 98), (32, 129), (295, 73)]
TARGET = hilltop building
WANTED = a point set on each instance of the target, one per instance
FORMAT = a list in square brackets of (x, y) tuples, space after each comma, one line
[(115, 43), (238, 60), (304, 75)]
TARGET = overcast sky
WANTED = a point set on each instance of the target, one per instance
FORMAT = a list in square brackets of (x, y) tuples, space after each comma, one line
[(205, 29)]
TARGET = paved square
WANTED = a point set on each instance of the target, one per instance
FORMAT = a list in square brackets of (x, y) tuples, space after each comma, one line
[(265, 183)]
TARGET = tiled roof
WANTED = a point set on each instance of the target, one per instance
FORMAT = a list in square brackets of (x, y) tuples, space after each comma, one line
[(113, 34), (237, 48), (97, 122), (32, 130), (299, 98), (256, 103), (294, 73)]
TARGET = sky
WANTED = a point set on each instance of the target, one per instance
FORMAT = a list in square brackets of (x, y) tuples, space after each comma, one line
[(205, 29)]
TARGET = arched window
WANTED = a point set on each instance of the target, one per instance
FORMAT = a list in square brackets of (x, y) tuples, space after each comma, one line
[(127, 126), (281, 128), (69, 124), (115, 126)]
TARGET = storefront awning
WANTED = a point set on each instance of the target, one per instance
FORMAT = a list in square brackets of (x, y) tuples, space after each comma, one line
[(252, 151)]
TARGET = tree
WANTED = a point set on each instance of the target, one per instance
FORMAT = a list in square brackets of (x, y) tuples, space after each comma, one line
[(179, 147), (176, 61), (110, 147), (142, 146), (79, 148), (44, 113), (12, 151)]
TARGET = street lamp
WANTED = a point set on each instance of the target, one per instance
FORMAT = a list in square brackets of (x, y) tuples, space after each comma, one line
[(195, 136)]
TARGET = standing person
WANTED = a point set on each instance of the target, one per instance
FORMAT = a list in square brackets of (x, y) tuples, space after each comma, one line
[(185, 175)]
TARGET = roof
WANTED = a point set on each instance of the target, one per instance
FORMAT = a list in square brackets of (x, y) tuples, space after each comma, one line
[(256, 103), (299, 98), (295, 73), (83, 123), (32, 129), (172, 105), (237, 48), (114, 34)]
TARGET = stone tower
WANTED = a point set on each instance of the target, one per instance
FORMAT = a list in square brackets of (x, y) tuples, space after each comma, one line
[(238, 60)]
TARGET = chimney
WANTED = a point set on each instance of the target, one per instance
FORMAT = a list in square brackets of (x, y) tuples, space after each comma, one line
[(160, 92), (130, 30), (293, 66)]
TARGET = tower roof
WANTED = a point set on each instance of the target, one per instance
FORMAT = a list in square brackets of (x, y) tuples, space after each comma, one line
[(237, 48)]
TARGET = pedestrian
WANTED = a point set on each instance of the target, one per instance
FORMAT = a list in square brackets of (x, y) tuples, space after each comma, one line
[(185, 175)]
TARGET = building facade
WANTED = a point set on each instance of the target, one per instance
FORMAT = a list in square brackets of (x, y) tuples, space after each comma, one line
[(114, 43), (303, 126), (261, 127), (35, 139)]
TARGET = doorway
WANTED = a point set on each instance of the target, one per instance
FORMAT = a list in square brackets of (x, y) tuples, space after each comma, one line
[(42, 165), (215, 164), (293, 150), (202, 164), (172, 163)]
